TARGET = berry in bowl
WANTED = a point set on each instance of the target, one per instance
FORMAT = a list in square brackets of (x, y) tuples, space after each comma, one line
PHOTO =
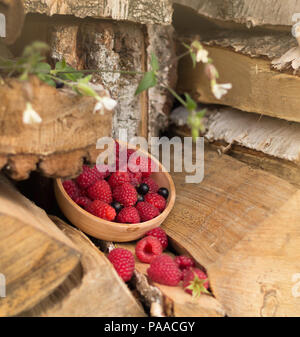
[(117, 206)]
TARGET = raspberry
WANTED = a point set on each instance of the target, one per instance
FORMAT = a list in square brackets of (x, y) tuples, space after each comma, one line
[(164, 270), (184, 262), (195, 282), (125, 194), (123, 262), (118, 178), (147, 211), (128, 215), (89, 176), (83, 201), (161, 235), (135, 178), (153, 187), (101, 210), (71, 188), (141, 163), (148, 249), (156, 200), (100, 191)]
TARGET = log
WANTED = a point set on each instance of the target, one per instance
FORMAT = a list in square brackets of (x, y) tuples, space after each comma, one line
[(144, 11), (247, 12), (267, 143), (14, 18), (257, 276), (49, 146), (174, 300), (96, 291), (35, 258), (108, 45), (212, 218), (256, 88)]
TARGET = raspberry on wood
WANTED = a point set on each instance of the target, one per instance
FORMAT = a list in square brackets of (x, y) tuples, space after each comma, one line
[(160, 234), (123, 262), (184, 262), (164, 270), (195, 282), (148, 248)]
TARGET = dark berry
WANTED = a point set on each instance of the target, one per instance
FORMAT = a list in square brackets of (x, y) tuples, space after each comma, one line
[(59, 84), (140, 198), (143, 189), (117, 206), (164, 192)]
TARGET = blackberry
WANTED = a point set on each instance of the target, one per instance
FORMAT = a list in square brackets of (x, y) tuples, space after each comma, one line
[(143, 189), (164, 192), (117, 206)]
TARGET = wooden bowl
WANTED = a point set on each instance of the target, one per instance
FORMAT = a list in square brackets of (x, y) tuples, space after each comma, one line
[(113, 231)]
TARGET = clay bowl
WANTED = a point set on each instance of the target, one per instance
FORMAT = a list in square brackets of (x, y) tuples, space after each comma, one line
[(113, 231)]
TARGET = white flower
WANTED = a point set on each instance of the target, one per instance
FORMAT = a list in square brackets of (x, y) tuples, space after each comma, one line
[(104, 103), (220, 90), (202, 55), (30, 116)]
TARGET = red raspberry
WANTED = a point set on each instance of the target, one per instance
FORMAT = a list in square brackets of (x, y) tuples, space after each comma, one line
[(195, 282), (118, 178), (100, 191), (128, 215), (123, 262), (83, 201), (71, 188), (125, 194), (153, 187), (164, 270), (144, 164), (148, 248), (161, 235), (89, 176), (156, 200), (147, 211), (135, 178), (101, 210), (184, 262)]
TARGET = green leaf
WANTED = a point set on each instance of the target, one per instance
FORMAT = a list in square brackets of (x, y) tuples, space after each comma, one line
[(148, 81), (66, 72), (47, 79), (42, 67), (154, 63), (191, 105), (83, 88), (201, 113)]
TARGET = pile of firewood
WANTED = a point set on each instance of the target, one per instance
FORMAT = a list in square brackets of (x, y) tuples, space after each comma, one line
[(241, 223)]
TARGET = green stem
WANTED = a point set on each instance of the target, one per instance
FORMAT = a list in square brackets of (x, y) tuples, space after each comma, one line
[(173, 92)]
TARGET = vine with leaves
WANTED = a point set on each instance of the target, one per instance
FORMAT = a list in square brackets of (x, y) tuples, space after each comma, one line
[(33, 62)]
